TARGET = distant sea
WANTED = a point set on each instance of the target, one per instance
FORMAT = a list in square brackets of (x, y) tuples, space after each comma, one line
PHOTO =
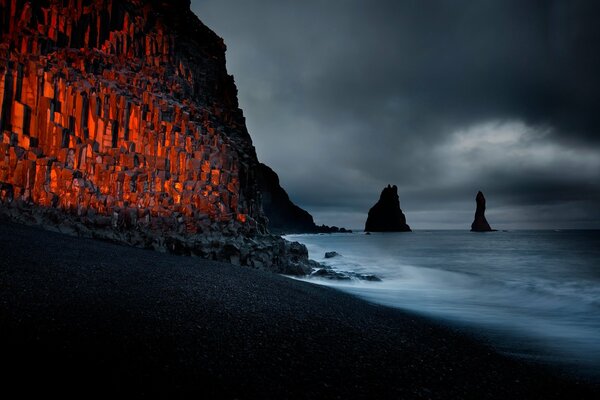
[(534, 294)]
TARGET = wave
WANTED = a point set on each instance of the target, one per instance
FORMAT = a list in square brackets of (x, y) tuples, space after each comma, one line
[(527, 298)]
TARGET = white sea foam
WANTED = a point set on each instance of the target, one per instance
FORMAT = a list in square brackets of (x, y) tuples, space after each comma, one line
[(533, 293)]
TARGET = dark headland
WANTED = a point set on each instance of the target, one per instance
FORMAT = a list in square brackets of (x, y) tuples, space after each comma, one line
[(283, 215), (83, 318)]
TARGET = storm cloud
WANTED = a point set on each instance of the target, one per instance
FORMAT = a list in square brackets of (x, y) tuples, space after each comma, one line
[(442, 98)]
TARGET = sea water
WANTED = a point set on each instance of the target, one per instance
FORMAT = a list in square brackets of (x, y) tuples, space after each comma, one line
[(535, 294)]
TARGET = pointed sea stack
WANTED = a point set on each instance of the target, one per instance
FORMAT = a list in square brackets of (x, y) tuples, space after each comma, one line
[(386, 215), (480, 224)]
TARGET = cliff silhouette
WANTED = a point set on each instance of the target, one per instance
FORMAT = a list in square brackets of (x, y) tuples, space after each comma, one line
[(283, 215)]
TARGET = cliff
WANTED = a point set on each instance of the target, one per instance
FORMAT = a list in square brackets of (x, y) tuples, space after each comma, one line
[(283, 215), (480, 224), (119, 120), (386, 215)]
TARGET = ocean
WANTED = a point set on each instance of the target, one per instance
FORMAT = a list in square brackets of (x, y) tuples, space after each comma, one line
[(533, 294)]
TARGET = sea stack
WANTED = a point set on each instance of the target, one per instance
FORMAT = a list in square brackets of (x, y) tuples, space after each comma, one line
[(386, 215), (480, 224)]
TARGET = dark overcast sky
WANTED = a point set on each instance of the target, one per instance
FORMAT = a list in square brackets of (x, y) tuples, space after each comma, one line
[(442, 98)]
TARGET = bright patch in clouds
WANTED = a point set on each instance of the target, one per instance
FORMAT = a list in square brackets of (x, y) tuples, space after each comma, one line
[(505, 147)]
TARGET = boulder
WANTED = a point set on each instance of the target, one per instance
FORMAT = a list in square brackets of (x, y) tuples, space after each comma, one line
[(326, 272)]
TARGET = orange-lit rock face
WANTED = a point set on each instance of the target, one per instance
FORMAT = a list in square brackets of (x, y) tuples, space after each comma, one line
[(107, 110)]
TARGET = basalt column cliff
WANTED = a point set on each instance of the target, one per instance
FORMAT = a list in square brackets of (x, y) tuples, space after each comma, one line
[(119, 120)]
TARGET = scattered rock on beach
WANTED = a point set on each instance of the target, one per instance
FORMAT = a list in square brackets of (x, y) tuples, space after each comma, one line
[(372, 278), (331, 254), (329, 273)]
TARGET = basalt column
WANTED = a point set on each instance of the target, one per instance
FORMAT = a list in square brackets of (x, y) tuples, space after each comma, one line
[(123, 112)]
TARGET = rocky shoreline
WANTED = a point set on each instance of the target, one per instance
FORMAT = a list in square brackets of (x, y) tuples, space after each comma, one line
[(87, 318), (216, 242)]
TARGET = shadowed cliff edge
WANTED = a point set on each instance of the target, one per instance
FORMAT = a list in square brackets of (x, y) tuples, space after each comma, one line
[(283, 215)]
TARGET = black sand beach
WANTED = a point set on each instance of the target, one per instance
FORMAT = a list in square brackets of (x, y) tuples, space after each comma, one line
[(83, 318)]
